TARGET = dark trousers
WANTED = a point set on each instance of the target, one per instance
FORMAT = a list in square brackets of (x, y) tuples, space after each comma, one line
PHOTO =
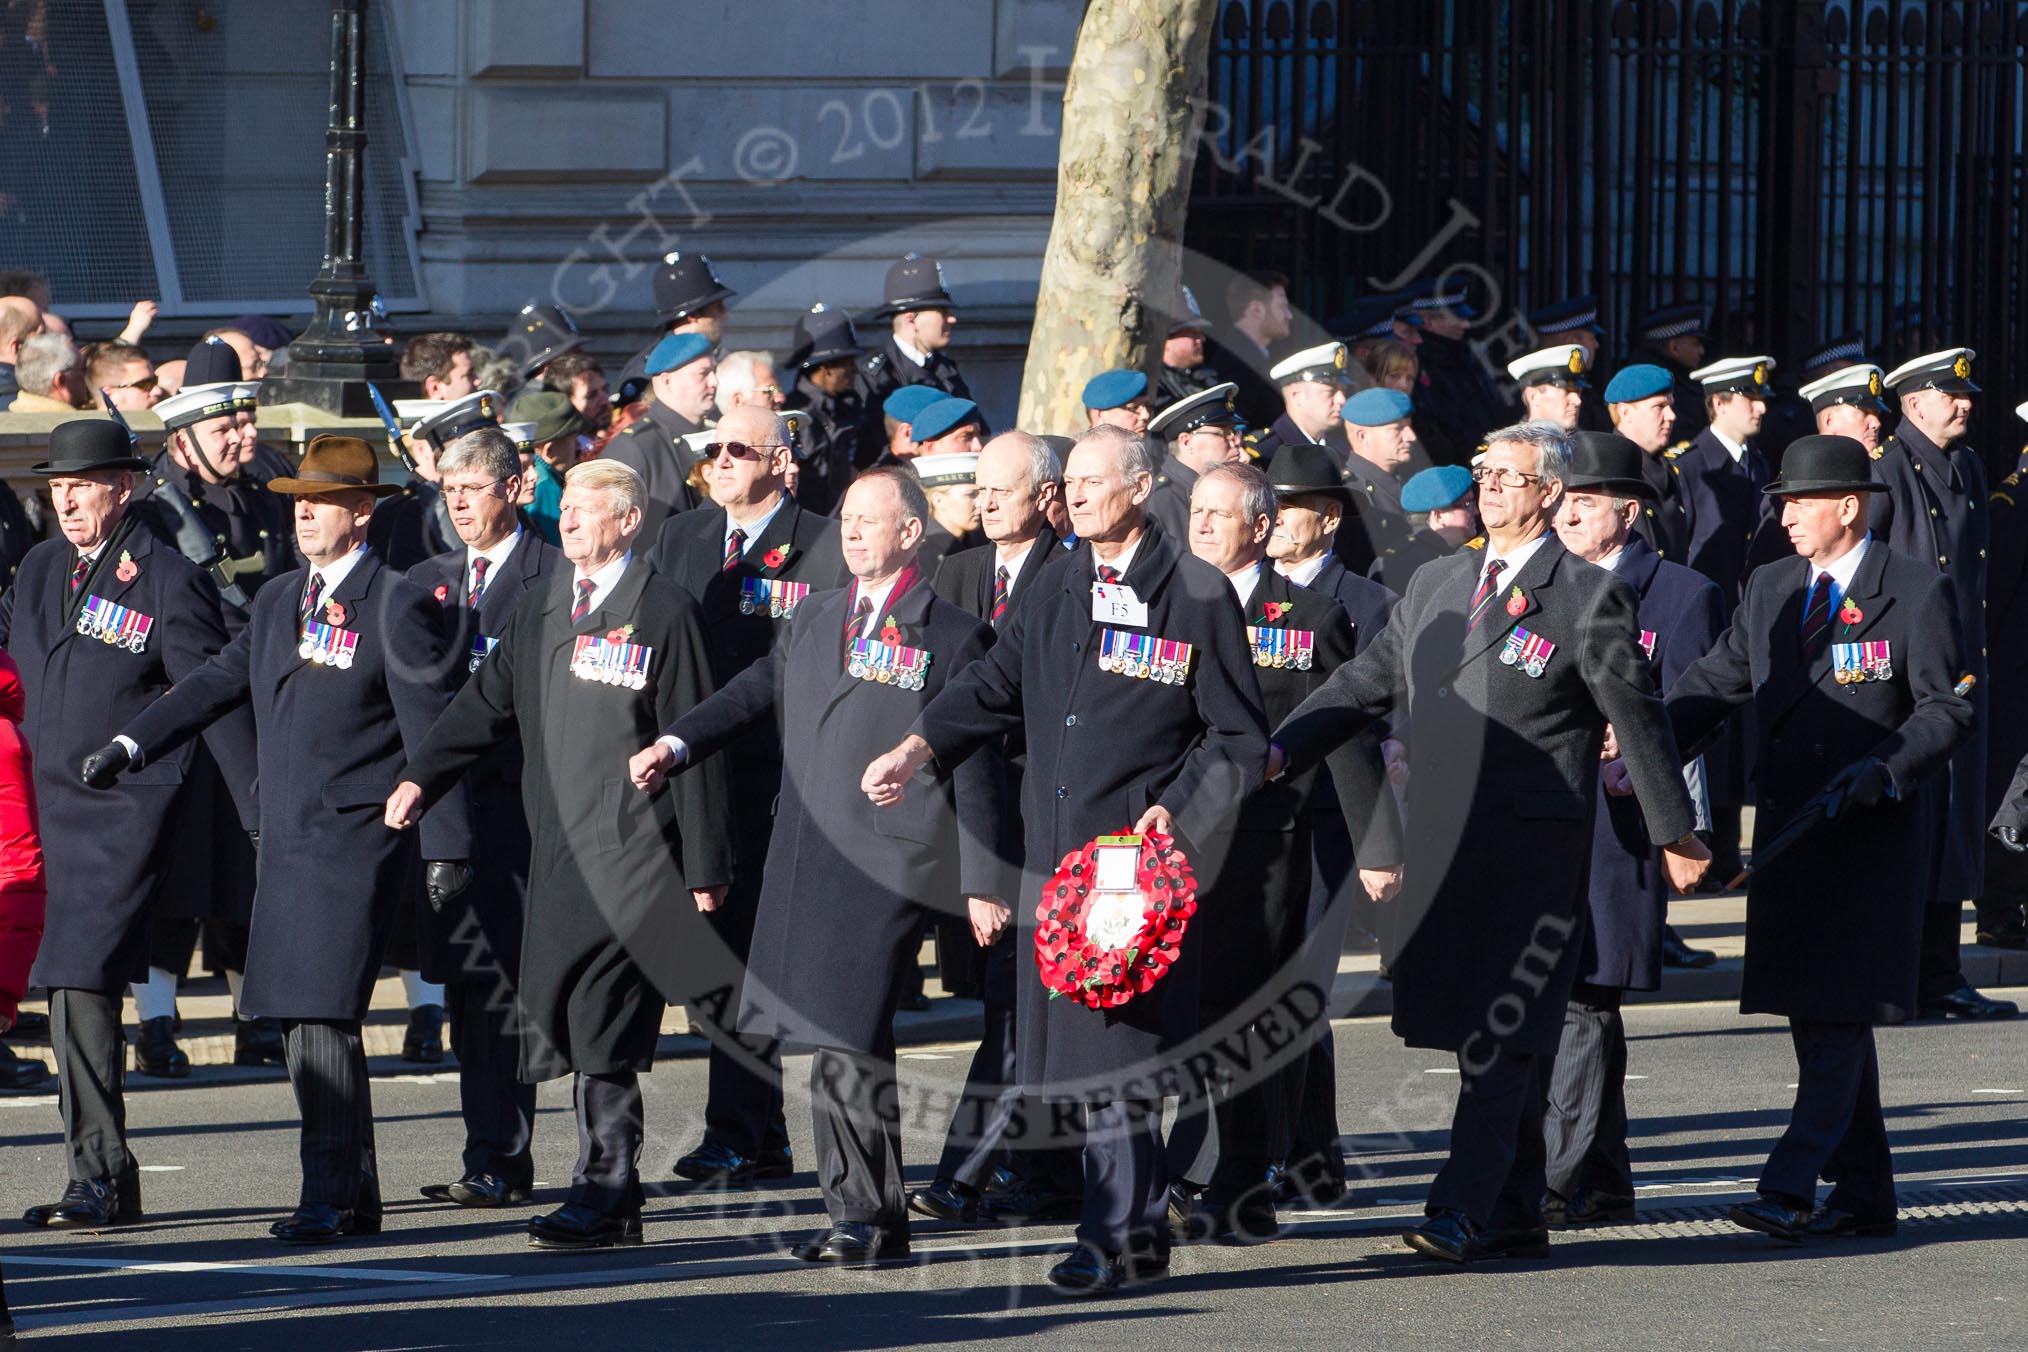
[(1225, 1152), (1126, 1183), (499, 1109), (1940, 972), (856, 1118), (996, 1124), (172, 939), (1836, 1128), (91, 1061), (1496, 1170), (743, 1077), (1725, 842), (1305, 1137), (610, 1129), (327, 1069), (1585, 1126)]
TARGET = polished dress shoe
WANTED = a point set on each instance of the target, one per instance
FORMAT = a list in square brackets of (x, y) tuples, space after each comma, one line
[(91, 1204), (29, 1026), (946, 1199), (1676, 953), (714, 1163), (485, 1190), (1312, 1183), (850, 1242), (1966, 1003), (2002, 932), (316, 1223), (1246, 1222), (156, 1052), (1772, 1216), (1186, 1221), (581, 1227), (1452, 1237), (259, 1042), (1587, 1207), (424, 1041), (18, 1072), (1086, 1271), (914, 1002), (1029, 1204), (1830, 1223)]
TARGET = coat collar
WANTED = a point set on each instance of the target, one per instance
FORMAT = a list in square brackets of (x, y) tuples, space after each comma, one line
[(103, 581), (1535, 577), (1794, 677), (1153, 562), (1638, 564)]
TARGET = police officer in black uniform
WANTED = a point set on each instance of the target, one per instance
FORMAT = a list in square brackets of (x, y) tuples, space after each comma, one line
[(920, 315), (538, 336), (690, 298), (825, 354)]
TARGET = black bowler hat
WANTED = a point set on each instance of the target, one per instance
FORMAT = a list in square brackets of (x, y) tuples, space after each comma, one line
[(1301, 468), (539, 335), (1823, 464), (85, 444), (914, 283), (1606, 461), (685, 284), (823, 335)]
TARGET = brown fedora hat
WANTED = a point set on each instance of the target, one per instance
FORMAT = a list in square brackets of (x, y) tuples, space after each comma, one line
[(334, 464)]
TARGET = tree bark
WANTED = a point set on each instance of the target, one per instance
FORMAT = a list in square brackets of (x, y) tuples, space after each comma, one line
[(1122, 188)]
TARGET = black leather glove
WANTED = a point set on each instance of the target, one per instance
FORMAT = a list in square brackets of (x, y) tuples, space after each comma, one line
[(1860, 784), (445, 883), (103, 766), (2010, 839)]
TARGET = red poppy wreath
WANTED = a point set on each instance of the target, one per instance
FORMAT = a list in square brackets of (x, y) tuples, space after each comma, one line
[(1101, 944)]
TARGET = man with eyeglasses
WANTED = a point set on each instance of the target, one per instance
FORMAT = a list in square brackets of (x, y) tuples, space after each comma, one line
[(1201, 431), (474, 948), (1513, 660), (748, 558)]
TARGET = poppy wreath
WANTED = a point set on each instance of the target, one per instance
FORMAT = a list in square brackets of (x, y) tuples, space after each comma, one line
[(1074, 966)]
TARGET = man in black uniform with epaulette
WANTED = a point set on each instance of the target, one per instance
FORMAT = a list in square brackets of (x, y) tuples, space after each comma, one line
[(749, 559), (2000, 905), (1643, 410), (100, 622), (1672, 338), (1441, 506), (1199, 431), (825, 354), (1935, 510), (1379, 435), (682, 384), (1313, 386), (920, 315), (414, 523)]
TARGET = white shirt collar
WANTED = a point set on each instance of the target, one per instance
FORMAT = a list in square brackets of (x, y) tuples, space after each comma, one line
[(603, 581), (754, 531), (911, 351), (1125, 561), (496, 558), (1516, 561), (1611, 562), (1303, 574), (334, 574), (879, 596), (1246, 582), (1012, 563), (1844, 568), (1735, 449)]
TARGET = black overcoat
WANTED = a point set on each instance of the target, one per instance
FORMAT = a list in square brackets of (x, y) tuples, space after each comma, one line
[(110, 855), (847, 885), (1724, 509), (331, 744), (483, 937), (1502, 769), (1833, 925), (653, 446), (610, 919), (1685, 613), (1103, 747)]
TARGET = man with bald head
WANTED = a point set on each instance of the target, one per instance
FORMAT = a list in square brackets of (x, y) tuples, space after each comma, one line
[(20, 320), (748, 558)]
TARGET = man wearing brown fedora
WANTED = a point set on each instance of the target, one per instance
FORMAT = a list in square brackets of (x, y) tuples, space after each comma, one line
[(343, 665)]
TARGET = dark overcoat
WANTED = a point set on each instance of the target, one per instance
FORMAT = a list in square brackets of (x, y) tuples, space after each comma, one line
[(1502, 769), (886, 369), (1725, 508), (109, 852), (1833, 925), (1684, 612), (1102, 748), (653, 446), (848, 885), (1665, 521), (412, 525), (2006, 662), (1935, 511), (331, 743), (1168, 504), (610, 919), (482, 939)]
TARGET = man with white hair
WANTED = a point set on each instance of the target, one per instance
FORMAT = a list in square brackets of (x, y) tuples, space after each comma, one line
[(747, 379), (592, 666), (51, 376)]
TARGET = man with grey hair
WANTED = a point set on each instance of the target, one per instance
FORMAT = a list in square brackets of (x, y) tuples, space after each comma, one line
[(473, 948), (1513, 660), (592, 664), (51, 375), (746, 379)]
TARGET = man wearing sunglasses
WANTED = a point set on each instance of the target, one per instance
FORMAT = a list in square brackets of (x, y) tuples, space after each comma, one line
[(122, 371), (745, 557)]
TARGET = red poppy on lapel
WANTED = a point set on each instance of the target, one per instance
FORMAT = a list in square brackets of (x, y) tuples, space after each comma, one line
[(334, 613), (775, 557)]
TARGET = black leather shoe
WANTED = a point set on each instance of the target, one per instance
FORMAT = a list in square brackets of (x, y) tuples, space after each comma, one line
[(1966, 1003), (424, 1042), (914, 1002), (259, 1042), (156, 1052), (1586, 1208), (946, 1199), (1772, 1216), (1676, 953), (319, 1224), (1186, 1221), (1244, 1223), (1312, 1183), (580, 1227), (716, 1164), (486, 1190), (1086, 1271), (92, 1204), (1029, 1204), (2007, 932), (1830, 1223), (854, 1242), (29, 1026), (1451, 1237), (18, 1072)]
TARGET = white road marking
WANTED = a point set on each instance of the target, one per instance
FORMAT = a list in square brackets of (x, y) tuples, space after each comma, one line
[(1441, 1070), (161, 1168), (32, 1101), (1999, 1091), (1637, 1077), (345, 1274), (926, 1056)]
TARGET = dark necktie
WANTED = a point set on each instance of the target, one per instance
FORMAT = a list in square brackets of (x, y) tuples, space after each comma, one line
[(856, 623), (584, 596), (312, 594), (1000, 580), (735, 548), (1817, 616), (1107, 573), (479, 567), (1489, 587), (77, 574)]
